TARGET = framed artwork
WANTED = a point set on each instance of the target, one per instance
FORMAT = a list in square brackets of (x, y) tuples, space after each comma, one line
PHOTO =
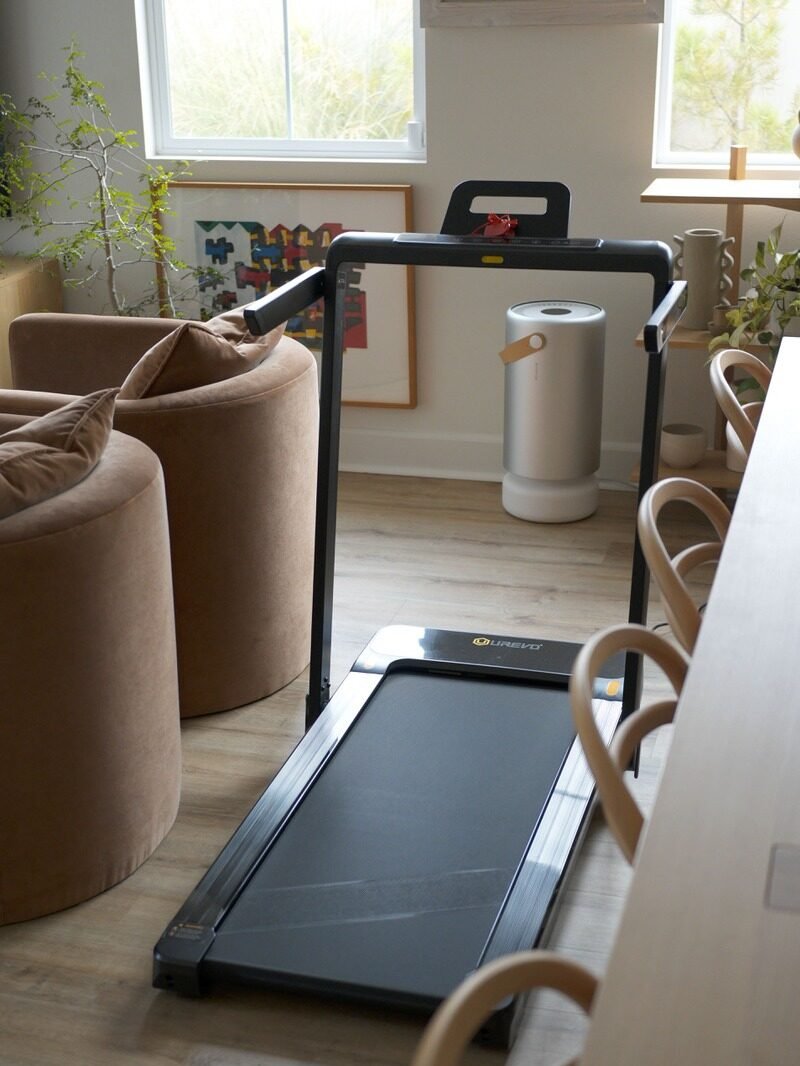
[(248, 239)]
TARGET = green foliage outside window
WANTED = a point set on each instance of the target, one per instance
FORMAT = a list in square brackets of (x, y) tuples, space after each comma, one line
[(727, 60), (331, 72)]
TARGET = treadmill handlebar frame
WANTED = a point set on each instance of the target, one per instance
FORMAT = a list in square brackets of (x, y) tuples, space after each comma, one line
[(653, 258), (295, 296), (552, 222), (271, 310), (660, 325)]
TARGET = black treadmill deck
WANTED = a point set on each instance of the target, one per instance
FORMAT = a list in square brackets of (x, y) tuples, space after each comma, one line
[(408, 840)]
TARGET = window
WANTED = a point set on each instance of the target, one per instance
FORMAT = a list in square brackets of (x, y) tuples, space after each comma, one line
[(281, 78), (729, 74)]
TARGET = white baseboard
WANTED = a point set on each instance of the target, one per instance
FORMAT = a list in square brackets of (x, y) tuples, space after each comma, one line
[(449, 455)]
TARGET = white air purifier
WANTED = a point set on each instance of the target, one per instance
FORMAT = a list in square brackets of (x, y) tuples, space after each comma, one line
[(553, 409)]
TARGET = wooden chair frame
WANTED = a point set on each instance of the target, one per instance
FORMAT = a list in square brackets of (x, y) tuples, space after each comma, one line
[(460, 1016), (621, 810), (742, 417), (670, 573)]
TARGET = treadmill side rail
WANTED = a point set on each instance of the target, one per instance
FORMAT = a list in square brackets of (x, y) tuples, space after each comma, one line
[(178, 957)]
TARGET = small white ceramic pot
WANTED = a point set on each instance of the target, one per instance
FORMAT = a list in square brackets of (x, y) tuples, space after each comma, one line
[(682, 444)]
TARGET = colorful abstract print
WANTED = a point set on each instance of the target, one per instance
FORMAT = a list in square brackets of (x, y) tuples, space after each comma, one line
[(246, 260)]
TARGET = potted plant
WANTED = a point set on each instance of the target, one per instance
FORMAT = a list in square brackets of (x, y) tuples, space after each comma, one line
[(75, 182), (771, 303)]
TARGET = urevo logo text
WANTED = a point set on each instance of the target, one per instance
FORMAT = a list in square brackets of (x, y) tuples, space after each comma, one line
[(518, 645)]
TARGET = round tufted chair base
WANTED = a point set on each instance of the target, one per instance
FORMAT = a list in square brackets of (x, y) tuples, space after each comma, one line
[(89, 724)]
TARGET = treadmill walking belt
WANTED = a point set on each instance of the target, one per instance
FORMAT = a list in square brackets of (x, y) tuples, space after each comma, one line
[(392, 871)]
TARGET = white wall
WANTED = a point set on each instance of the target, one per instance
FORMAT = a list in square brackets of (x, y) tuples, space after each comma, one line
[(563, 103)]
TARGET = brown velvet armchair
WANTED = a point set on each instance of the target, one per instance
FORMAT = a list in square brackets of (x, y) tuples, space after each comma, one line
[(90, 751), (239, 461)]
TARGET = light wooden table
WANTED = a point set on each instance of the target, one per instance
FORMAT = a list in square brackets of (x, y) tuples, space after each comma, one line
[(706, 964)]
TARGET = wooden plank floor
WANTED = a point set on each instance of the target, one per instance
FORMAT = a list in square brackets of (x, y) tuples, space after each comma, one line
[(75, 987)]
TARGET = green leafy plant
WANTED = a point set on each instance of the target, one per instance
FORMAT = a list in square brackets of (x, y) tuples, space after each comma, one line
[(75, 182), (770, 304)]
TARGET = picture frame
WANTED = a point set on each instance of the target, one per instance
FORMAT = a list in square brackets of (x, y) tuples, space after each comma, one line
[(254, 237)]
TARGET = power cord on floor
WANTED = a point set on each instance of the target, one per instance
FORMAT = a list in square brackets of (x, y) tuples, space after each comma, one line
[(665, 625)]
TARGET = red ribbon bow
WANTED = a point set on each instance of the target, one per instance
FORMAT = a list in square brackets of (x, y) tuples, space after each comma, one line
[(497, 226)]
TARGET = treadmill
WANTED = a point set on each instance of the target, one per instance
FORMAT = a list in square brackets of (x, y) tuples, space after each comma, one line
[(424, 823)]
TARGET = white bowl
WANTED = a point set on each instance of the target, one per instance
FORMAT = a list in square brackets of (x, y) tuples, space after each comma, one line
[(682, 445)]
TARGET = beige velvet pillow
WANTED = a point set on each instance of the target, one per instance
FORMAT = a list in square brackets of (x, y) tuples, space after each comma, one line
[(198, 353), (52, 453)]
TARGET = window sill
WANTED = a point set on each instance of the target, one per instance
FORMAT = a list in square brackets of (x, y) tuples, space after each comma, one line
[(257, 157), (778, 169)]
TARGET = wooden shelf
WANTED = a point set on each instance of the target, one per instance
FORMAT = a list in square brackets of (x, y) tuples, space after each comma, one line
[(682, 338), (697, 339), (782, 193), (733, 192), (710, 471)]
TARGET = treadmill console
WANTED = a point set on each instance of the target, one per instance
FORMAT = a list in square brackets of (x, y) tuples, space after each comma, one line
[(512, 242)]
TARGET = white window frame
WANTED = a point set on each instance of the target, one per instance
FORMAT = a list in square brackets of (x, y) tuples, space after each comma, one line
[(538, 12), (664, 157), (161, 144)]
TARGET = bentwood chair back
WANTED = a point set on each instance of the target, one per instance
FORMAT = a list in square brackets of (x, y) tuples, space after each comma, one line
[(622, 813), (460, 1016), (670, 572), (743, 418)]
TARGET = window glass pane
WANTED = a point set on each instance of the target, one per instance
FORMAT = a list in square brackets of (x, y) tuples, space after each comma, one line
[(736, 75), (226, 68), (350, 76), (351, 69)]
